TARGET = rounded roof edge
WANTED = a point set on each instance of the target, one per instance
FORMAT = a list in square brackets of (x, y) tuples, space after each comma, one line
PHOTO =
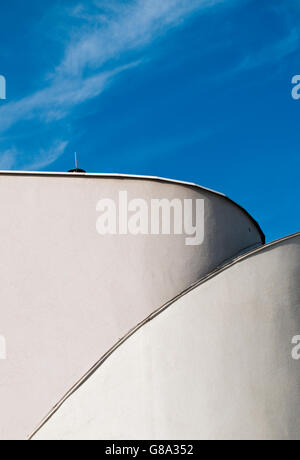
[(134, 177)]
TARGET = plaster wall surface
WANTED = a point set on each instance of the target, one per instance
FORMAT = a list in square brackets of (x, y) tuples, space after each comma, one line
[(216, 364), (68, 294)]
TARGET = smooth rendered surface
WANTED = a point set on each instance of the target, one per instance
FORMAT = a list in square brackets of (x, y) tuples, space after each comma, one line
[(68, 294), (217, 364)]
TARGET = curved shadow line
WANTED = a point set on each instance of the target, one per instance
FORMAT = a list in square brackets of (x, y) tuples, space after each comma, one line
[(153, 315)]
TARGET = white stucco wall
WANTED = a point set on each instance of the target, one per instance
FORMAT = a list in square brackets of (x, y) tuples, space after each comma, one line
[(68, 294), (217, 364)]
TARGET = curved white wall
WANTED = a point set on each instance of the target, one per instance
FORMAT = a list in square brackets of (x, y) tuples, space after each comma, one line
[(67, 294), (217, 364)]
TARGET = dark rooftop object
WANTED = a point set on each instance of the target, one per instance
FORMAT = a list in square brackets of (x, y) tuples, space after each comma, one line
[(77, 171)]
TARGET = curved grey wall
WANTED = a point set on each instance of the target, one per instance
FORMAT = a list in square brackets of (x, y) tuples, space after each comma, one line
[(217, 364), (68, 294)]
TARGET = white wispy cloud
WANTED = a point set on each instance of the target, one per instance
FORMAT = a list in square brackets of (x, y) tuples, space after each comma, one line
[(100, 47), (47, 157), (107, 32), (7, 159), (129, 27), (55, 101), (272, 53), (133, 26), (44, 157)]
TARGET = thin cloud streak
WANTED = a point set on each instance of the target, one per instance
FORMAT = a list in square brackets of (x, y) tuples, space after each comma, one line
[(7, 159), (47, 157), (111, 31), (272, 53), (134, 26), (43, 158), (139, 24), (108, 30), (55, 102)]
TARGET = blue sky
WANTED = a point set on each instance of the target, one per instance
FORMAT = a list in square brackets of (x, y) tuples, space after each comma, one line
[(196, 90)]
